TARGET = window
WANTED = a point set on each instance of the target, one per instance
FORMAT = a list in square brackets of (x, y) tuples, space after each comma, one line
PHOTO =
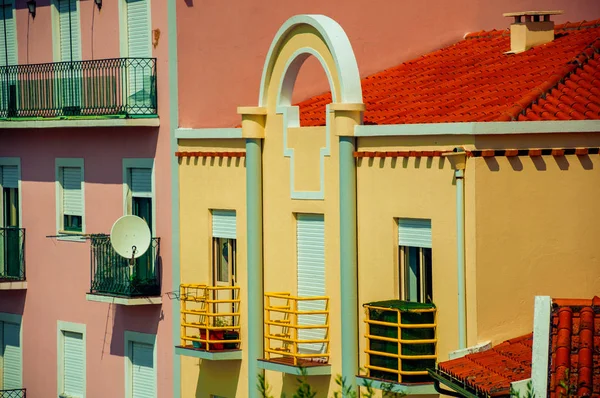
[(69, 32), (71, 360), (10, 234), (224, 247), (70, 198), (8, 55), (415, 255), (139, 50), (140, 360), (11, 369)]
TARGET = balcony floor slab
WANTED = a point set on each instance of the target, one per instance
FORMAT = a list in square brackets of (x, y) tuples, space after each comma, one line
[(101, 298), (407, 389), (284, 365), (13, 285), (225, 355), (81, 122)]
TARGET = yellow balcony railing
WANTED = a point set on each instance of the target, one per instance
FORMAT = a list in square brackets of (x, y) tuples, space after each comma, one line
[(401, 340), (296, 329), (210, 317)]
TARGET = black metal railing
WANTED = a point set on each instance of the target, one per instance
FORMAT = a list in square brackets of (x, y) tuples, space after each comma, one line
[(18, 393), (111, 274), (123, 87), (12, 254)]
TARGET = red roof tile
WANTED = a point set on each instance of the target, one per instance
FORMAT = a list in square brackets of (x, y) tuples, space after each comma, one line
[(491, 372), (575, 355), (474, 80)]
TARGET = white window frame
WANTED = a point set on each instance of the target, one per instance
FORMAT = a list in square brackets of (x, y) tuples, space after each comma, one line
[(135, 163), (55, 16), (123, 42), (62, 327), (14, 11), (11, 162), (15, 319), (68, 235), (143, 338)]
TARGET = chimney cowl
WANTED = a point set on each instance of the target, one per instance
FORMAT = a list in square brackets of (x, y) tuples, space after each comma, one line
[(530, 28)]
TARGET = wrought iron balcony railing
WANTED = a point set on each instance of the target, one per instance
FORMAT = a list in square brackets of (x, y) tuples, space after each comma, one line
[(112, 275), (18, 393), (12, 254), (117, 87)]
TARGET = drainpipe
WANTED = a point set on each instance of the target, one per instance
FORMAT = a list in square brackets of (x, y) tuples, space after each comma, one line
[(459, 174)]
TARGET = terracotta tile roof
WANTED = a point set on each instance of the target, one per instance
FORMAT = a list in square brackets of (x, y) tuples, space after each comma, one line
[(575, 355), (491, 372), (473, 80)]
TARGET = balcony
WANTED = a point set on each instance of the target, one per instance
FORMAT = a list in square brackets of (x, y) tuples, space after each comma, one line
[(18, 393), (296, 334), (210, 322), (118, 89), (12, 258), (113, 280), (401, 344)]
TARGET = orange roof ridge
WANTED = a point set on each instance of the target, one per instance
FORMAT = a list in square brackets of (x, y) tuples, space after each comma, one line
[(567, 26)]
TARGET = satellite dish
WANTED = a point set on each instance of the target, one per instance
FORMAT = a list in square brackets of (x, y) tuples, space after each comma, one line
[(130, 236)]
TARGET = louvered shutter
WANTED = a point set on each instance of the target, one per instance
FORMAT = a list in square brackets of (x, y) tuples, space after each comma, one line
[(138, 46), (74, 364), (70, 40), (8, 25), (223, 224), (10, 177), (71, 191), (311, 276), (414, 232), (141, 182), (143, 375), (11, 356)]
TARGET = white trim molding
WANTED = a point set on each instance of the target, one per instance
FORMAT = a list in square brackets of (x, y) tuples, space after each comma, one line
[(62, 326), (69, 162), (183, 133), (541, 344), (143, 338)]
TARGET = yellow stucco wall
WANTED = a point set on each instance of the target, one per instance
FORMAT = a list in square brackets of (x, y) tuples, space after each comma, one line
[(537, 229), (206, 184)]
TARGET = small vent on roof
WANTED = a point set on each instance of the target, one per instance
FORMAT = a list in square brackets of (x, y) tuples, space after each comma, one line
[(530, 28)]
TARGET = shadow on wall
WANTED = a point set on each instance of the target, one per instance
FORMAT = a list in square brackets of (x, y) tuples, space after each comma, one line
[(539, 162), (142, 319), (319, 384), (218, 378), (213, 161), (404, 162), (13, 301)]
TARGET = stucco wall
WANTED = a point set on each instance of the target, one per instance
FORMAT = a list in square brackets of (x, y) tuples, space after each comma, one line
[(221, 54), (207, 184)]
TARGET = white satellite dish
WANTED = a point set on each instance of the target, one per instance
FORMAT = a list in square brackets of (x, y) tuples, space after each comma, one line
[(130, 237)]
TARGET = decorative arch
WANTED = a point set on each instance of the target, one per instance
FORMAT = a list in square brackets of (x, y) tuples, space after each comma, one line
[(333, 51)]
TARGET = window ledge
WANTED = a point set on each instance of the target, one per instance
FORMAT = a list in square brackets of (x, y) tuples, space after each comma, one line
[(13, 285), (71, 237), (276, 366), (408, 389), (225, 355), (101, 298)]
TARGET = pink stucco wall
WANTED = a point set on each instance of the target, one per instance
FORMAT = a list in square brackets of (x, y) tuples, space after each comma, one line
[(222, 50), (58, 272)]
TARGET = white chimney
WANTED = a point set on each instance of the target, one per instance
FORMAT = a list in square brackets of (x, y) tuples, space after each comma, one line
[(530, 28)]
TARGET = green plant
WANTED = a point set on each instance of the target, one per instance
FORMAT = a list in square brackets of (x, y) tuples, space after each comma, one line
[(529, 393), (222, 321)]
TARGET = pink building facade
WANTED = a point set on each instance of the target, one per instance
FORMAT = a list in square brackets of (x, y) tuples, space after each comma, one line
[(84, 140)]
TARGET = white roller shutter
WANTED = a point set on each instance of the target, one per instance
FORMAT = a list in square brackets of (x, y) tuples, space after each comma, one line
[(7, 23), (138, 46), (414, 232), (74, 364), (141, 182), (11, 356), (10, 176), (143, 375), (311, 276), (223, 224), (70, 40), (71, 191)]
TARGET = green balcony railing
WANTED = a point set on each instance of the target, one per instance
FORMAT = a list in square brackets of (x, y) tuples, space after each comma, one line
[(116, 87), (12, 257), (112, 275), (18, 393)]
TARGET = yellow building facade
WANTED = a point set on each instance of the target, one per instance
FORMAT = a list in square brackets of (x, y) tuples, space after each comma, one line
[(287, 231)]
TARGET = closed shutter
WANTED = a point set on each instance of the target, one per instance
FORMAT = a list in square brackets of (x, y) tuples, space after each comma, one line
[(74, 364), (70, 41), (311, 276), (138, 46), (71, 190), (8, 25), (414, 232), (141, 182), (11, 356), (143, 375), (10, 177), (223, 224)]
